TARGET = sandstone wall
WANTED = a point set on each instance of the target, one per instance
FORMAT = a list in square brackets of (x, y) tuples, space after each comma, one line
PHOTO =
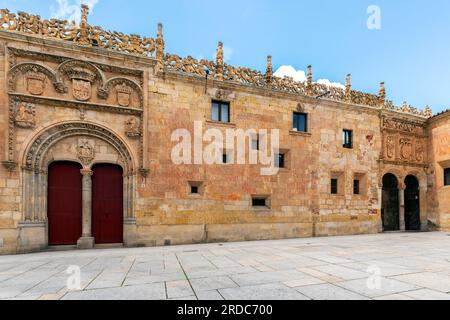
[(439, 150)]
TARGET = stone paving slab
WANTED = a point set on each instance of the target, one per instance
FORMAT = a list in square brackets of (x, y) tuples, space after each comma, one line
[(408, 266)]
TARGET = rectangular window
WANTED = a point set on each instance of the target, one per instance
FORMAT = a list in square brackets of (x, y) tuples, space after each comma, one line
[(255, 143), (334, 186), (220, 111), (224, 158), (259, 202), (280, 161), (347, 137), (300, 122), (447, 177), (194, 189), (356, 185)]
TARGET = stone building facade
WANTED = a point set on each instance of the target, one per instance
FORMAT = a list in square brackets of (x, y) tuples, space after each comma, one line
[(86, 141)]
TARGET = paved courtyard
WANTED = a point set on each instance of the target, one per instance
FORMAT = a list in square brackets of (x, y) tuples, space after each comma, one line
[(386, 266)]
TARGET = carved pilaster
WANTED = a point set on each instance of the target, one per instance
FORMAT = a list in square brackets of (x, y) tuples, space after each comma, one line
[(219, 61), (160, 44), (309, 81), (84, 33), (382, 95), (269, 70), (348, 88)]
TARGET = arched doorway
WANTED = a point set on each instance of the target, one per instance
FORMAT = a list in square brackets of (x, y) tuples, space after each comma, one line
[(64, 203), (390, 210), (412, 204), (107, 204)]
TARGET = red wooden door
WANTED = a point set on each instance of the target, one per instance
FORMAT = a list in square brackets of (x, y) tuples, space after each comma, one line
[(107, 204), (64, 203)]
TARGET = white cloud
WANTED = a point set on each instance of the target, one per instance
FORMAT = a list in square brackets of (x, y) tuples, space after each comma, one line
[(69, 10), (289, 71), (300, 76)]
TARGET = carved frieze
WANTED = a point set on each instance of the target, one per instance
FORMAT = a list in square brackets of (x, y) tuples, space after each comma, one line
[(401, 125), (25, 115)]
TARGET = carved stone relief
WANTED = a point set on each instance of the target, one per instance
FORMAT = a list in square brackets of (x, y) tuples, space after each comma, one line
[(390, 147), (35, 82), (444, 146), (82, 80), (133, 127), (420, 151), (406, 148), (25, 115), (123, 95), (86, 151)]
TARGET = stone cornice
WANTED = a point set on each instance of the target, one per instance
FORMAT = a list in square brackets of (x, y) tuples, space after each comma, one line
[(445, 115)]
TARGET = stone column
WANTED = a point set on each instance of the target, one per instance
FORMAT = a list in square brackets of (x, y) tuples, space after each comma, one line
[(380, 208), (401, 197), (87, 241)]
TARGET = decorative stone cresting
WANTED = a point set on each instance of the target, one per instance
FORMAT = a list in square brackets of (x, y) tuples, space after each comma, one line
[(87, 35)]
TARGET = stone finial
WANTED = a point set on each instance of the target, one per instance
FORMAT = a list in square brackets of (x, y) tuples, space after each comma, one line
[(348, 87), (84, 33), (269, 70), (428, 112), (382, 95), (219, 61), (160, 44), (309, 80)]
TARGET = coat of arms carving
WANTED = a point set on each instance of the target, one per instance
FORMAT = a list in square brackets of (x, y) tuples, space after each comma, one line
[(25, 115), (81, 83), (35, 82), (420, 152), (123, 95), (405, 148), (390, 147), (85, 151)]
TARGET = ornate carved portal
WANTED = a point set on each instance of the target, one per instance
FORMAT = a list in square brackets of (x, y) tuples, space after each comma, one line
[(40, 83), (54, 145)]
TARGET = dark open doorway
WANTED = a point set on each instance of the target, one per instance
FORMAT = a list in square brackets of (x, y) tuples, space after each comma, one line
[(412, 204), (390, 210)]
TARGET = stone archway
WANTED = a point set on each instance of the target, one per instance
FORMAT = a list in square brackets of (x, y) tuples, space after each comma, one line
[(412, 204), (390, 207), (79, 142)]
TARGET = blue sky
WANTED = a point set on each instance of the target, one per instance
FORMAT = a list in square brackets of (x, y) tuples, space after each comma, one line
[(411, 51)]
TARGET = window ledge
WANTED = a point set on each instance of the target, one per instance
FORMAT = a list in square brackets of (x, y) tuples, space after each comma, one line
[(221, 124), (299, 133), (261, 209)]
